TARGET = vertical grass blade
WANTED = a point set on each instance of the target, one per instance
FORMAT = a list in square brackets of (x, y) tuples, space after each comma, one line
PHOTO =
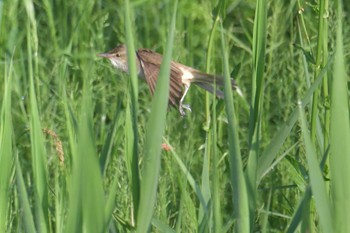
[(211, 142), (6, 154), (259, 47), (39, 164), (220, 10), (324, 9), (205, 182), (132, 133), (317, 182), (110, 201), (340, 134), (36, 136), (321, 53), (86, 203), (71, 121), (24, 201), (61, 199), (106, 152), (240, 200), (154, 132)]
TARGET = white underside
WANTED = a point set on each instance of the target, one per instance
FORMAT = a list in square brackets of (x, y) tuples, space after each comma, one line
[(186, 76)]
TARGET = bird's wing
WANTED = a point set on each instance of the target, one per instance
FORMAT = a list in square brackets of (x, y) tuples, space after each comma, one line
[(150, 63)]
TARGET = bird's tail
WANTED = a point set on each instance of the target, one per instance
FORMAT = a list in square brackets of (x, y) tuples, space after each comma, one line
[(212, 83)]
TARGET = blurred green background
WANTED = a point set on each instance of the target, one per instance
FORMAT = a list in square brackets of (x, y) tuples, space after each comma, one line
[(69, 125)]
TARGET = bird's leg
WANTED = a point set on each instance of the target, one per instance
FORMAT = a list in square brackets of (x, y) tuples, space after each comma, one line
[(184, 106)]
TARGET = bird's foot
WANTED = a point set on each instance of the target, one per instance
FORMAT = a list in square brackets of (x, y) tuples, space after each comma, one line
[(182, 107)]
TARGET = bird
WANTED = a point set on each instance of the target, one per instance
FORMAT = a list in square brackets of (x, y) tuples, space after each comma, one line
[(181, 76)]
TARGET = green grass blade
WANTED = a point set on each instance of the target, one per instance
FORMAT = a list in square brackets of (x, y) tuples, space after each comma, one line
[(340, 133), (215, 180), (132, 166), (325, 55), (161, 226), (302, 211), (212, 147), (317, 182), (209, 144), (131, 54), (61, 198), (205, 194), (39, 161), (70, 119), (277, 141), (39, 165), (28, 217), (154, 133), (298, 214), (320, 58), (110, 201), (6, 154), (240, 195), (106, 152), (192, 182), (132, 133), (86, 206), (258, 48)]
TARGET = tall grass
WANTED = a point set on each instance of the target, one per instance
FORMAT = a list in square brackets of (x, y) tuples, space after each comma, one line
[(240, 194), (131, 133), (257, 99), (155, 128), (6, 151), (340, 131), (81, 144), (36, 137)]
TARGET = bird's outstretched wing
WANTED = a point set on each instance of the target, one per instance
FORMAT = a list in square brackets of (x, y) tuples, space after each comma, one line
[(150, 64)]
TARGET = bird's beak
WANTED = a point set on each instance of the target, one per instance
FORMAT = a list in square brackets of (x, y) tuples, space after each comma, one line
[(105, 55)]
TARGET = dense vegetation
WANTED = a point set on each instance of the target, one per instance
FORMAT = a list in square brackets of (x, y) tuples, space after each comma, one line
[(81, 144)]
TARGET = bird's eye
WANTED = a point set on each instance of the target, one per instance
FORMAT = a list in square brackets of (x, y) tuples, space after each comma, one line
[(118, 54)]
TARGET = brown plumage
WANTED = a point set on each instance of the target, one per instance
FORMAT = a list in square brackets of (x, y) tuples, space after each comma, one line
[(181, 76)]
